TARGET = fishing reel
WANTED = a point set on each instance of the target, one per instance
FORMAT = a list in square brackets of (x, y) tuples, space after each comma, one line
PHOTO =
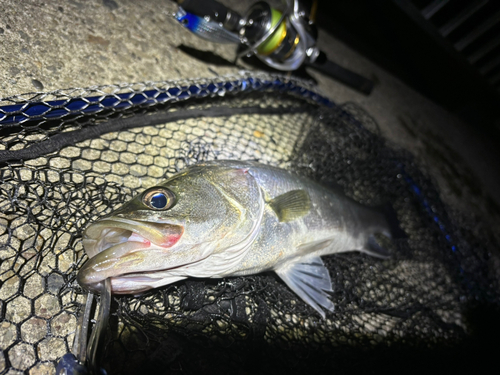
[(284, 39)]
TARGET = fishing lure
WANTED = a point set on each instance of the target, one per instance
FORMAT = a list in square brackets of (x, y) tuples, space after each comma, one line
[(205, 28)]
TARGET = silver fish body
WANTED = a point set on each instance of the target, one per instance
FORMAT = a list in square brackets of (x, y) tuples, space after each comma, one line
[(229, 218)]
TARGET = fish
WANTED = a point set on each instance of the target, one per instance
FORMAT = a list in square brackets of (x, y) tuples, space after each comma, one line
[(228, 218), (205, 28)]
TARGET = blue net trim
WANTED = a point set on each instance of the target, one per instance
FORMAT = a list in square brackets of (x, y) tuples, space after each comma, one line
[(122, 97)]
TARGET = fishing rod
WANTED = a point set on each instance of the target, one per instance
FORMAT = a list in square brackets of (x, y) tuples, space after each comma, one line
[(283, 39)]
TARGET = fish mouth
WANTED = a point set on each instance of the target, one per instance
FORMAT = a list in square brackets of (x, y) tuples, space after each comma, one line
[(116, 248)]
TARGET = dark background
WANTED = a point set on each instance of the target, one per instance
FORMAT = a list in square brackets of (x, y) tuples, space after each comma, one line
[(395, 35)]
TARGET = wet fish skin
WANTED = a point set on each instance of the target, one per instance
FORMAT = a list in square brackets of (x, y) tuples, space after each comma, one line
[(230, 218)]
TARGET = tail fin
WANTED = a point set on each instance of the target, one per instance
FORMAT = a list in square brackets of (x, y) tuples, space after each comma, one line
[(375, 249), (391, 217), (378, 243)]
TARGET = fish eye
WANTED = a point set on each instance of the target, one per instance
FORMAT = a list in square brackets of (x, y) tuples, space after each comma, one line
[(158, 199)]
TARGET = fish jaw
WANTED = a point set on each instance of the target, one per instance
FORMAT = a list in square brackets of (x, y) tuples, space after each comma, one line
[(118, 247)]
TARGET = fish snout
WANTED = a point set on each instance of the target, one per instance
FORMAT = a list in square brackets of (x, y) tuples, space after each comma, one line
[(115, 248), (114, 261)]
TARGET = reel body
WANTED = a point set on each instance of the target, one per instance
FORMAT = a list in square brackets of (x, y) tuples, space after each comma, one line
[(283, 39)]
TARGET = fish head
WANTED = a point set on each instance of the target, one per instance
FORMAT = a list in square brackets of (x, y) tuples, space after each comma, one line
[(167, 232)]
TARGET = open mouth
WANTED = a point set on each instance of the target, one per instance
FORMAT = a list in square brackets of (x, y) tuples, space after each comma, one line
[(111, 232), (122, 240), (114, 246)]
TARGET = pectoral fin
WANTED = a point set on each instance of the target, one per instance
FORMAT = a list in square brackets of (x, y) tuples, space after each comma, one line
[(309, 280), (291, 205)]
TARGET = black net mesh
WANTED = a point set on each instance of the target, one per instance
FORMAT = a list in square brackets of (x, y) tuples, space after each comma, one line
[(427, 302)]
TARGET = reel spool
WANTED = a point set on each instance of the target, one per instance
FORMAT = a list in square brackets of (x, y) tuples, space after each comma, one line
[(282, 40)]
